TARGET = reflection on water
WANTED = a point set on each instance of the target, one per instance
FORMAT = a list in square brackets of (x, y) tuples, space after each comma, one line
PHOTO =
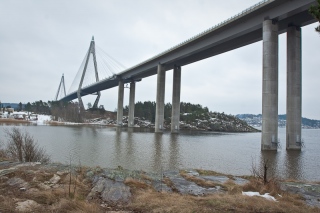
[(157, 144), (174, 152), (292, 164), (270, 158), (141, 149)]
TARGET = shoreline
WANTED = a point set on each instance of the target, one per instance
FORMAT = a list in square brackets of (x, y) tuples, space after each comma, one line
[(59, 123)]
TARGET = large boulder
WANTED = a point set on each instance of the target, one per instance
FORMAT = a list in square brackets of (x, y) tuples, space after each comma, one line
[(110, 191)]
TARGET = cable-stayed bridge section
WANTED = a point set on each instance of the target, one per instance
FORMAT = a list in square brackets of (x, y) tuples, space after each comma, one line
[(263, 21)]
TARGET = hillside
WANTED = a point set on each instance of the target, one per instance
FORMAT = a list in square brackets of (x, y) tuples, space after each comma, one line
[(192, 116), (256, 121)]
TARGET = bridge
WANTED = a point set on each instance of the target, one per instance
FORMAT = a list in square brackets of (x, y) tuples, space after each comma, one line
[(263, 21)]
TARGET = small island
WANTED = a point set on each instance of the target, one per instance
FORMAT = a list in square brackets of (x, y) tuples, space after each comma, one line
[(192, 116)]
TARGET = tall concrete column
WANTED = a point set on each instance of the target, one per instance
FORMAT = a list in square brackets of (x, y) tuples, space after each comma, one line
[(120, 103), (161, 83), (269, 135), (175, 116), (293, 135), (131, 104)]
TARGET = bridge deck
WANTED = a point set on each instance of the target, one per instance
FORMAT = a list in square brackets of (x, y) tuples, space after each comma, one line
[(238, 31)]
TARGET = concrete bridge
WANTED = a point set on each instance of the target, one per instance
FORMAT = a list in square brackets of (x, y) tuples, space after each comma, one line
[(264, 21)]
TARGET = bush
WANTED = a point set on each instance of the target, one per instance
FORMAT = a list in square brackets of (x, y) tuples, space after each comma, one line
[(3, 154), (22, 147)]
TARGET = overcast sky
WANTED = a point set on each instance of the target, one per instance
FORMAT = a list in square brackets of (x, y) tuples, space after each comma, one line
[(40, 40)]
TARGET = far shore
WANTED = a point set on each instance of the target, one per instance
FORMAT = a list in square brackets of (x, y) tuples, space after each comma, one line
[(58, 123), (12, 120)]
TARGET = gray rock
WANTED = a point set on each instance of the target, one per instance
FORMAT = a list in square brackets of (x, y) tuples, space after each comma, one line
[(160, 187), (240, 181), (110, 191), (90, 174), (60, 173), (6, 171), (311, 192), (171, 174), (192, 173), (55, 179), (187, 187), (18, 182), (216, 179), (44, 186)]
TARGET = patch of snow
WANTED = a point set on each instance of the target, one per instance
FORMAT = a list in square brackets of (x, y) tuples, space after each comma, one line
[(42, 119), (266, 195)]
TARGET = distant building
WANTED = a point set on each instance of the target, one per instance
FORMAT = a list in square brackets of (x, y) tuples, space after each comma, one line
[(9, 110)]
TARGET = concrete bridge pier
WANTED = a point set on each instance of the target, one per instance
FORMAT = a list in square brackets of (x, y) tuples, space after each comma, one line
[(120, 103), (293, 126), (161, 82), (131, 104), (269, 136), (176, 90)]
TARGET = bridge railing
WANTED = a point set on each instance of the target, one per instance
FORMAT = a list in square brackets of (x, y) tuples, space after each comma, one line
[(242, 13)]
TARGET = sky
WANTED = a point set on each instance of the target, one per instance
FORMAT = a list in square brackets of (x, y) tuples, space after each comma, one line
[(41, 40)]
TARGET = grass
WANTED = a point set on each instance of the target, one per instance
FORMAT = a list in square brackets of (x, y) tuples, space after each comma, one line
[(213, 173), (56, 199), (150, 201)]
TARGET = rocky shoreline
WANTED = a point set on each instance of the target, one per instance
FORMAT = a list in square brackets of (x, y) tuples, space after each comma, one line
[(115, 189), (219, 123)]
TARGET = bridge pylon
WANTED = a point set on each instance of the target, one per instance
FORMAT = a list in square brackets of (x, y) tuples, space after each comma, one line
[(92, 51), (61, 86)]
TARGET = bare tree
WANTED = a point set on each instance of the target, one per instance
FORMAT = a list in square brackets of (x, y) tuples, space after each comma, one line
[(22, 147), (15, 142), (261, 172)]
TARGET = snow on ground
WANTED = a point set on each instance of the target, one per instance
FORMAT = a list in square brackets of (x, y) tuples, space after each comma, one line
[(266, 195), (42, 119)]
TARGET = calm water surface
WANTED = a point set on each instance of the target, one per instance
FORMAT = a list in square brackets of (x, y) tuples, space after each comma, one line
[(232, 153)]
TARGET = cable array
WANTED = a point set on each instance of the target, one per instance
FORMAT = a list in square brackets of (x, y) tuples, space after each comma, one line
[(107, 67), (76, 81)]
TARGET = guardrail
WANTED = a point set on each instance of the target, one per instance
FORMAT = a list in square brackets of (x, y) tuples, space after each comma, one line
[(217, 26)]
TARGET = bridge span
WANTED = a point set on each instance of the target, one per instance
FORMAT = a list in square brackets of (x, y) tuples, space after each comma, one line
[(264, 21)]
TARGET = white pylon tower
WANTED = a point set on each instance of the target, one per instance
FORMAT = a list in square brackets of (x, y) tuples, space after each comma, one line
[(92, 51), (61, 86)]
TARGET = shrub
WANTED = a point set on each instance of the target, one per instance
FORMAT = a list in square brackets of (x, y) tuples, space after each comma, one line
[(22, 147)]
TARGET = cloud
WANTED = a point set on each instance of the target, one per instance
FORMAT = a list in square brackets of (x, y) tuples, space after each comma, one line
[(41, 40)]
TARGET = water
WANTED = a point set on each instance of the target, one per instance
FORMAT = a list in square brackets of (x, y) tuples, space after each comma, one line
[(231, 153)]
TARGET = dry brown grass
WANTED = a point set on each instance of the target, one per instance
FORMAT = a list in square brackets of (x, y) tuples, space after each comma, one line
[(232, 187), (257, 185), (213, 173), (7, 204), (12, 121), (56, 199), (145, 198), (151, 201), (48, 197), (69, 206), (146, 177), (136, 184), (169, 183)]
